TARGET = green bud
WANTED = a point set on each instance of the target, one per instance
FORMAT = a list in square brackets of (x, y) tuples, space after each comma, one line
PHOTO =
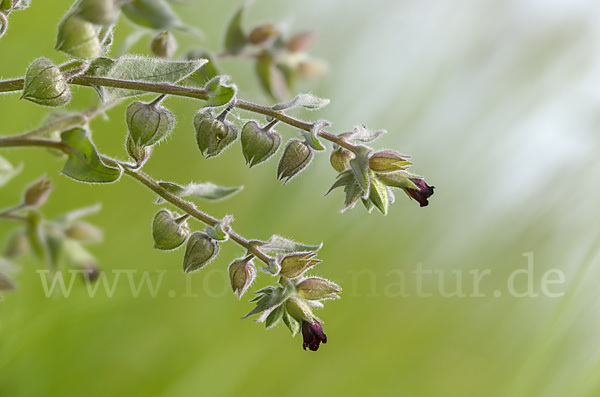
[(261, 34), (168, 232), (387, 161), (78, 38), (295, 264), (200, 250), (163, 45), (315, 288), (149, 123), (340, 159), (213, 135), (296, 156), (299, 310), (139, 153), (257, 144), (84, 232), (17, 245), (37, 193), (241, 274), (99, 12), (45, 84)]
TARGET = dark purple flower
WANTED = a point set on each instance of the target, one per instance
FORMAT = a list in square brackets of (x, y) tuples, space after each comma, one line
[(423, 192), (313, 335)]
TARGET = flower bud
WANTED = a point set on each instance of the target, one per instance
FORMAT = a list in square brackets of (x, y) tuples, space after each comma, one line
[(387, 161), (296, 156), (168, 233), (213, 135), (99, 12), (148, 123), (340, 159), (200, 250), (38, 192), (300, 42), (295, 264), (45, 84), (84, 232), (164, 45), (312, 335), (412, 185), (241, 274), (299, 309), (311, 69), (139, 153), (261, 34), (422, 192), (315, 288), (17, 246), (257, 144), (78, 38)]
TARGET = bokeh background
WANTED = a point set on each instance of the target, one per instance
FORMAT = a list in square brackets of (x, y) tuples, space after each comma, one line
[(498, 103)]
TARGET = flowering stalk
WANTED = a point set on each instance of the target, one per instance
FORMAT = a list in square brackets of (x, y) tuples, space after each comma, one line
[(85, 34)]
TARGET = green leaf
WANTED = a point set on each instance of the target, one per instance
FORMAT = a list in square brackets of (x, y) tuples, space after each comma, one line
[(311, 136), (20, 4), (378, 195), (274, 318), (149, 70), (207, 72), (7, 171), (353, 193), (37, 237), (270, 77), (268, 301), (83, 163), (360, 167), (399, 179), (308, 101), (278, 244), (291, 323), (235, 39), (155, 14), (219, 91), (207, 190), (363, 134), (73, 215)]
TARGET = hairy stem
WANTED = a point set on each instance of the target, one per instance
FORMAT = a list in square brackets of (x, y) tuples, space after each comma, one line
[(189, 92), (189, 208), (145, 180)]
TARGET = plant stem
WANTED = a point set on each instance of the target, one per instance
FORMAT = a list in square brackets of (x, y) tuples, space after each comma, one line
[(188, 208), (189, 92), (145, 180)]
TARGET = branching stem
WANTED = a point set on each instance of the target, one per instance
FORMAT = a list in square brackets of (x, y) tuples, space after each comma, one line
[(189, 92)]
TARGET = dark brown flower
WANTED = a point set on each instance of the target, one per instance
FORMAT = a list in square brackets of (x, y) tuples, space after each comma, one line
[(313, 335), (423, 192)]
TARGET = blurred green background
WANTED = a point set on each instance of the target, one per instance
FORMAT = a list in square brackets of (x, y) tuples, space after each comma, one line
[(496, 101)]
